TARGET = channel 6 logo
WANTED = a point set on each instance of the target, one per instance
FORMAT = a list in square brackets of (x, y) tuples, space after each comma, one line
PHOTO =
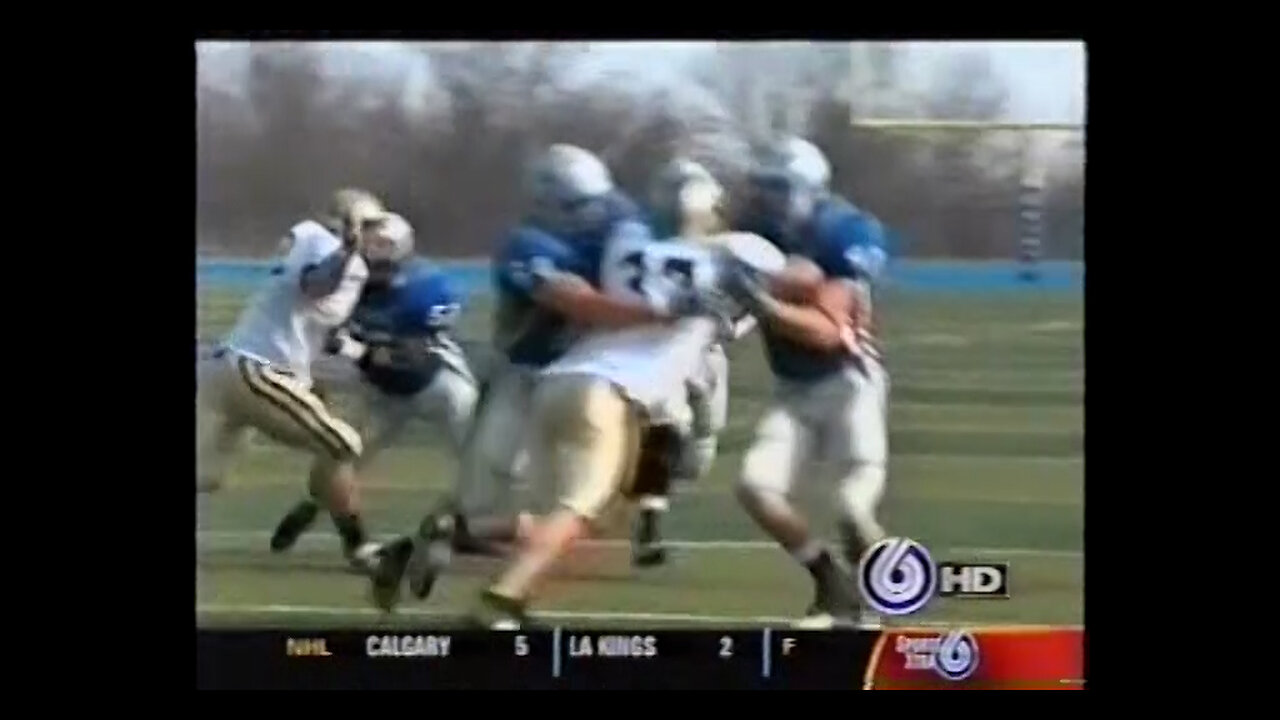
[(898, 576)]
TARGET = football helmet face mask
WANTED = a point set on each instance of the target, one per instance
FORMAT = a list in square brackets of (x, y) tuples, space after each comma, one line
[(787, 181)]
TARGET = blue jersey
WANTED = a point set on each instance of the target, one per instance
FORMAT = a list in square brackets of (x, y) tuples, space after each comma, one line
[(527, 333), (411, 313), (846, 243)]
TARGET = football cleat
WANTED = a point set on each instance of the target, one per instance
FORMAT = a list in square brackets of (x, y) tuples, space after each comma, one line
[(432, 552), (647, 548), (834, 604), (388, 571), (364, 558)]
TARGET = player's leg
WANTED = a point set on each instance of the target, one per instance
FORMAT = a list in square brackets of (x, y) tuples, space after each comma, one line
[(450, 400), (782, 450), (588, 438), (219, 432), (488, 468), (286, 410), (858, 450), (220, 436), (476, 515), (380, 418), (382, 423), (688, 460), (655, 468)]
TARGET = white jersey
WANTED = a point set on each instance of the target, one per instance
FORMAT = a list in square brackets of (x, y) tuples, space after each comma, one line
[(650, 363), (283, 326)]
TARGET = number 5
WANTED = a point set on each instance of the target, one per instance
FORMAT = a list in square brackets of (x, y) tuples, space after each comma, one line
[(522, 645), (726, 646)]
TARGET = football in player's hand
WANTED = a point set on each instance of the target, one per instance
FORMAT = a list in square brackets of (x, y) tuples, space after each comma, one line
[(799, 281)]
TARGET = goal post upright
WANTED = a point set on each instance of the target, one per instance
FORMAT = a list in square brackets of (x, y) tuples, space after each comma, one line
[(1037, 141)]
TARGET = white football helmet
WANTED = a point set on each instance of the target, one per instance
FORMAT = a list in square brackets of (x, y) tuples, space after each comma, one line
[(391, 242), (568, 187), (798, 161), (789, 178)]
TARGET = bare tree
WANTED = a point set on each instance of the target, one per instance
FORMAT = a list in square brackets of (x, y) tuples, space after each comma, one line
[(452, 156)]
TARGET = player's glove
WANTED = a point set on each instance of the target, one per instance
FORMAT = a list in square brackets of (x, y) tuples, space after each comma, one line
[(745, 285), (713, 305)]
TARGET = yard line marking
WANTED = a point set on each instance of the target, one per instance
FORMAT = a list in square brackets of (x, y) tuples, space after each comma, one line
[(242, 538), (285, 609), (681, 491)]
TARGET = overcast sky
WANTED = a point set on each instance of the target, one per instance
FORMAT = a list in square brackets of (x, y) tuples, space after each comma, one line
[(1046, 80)]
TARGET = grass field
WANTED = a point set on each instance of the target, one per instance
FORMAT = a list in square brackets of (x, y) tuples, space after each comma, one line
[(987, 434)]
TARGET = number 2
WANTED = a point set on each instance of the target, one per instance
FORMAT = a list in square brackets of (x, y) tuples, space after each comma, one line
[(726, 646)]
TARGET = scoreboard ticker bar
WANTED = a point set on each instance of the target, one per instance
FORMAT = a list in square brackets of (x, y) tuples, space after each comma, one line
[(566, 658)]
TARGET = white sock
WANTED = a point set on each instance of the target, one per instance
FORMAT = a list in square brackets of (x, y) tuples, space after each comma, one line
[(657, 503)]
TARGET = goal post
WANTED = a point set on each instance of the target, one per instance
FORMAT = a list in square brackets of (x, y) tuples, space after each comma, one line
[(1036, 144)]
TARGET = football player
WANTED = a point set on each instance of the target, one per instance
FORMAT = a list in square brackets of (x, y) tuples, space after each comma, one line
[(590, 408), (398, 338), (831, 388), (260, 376), (545, 277), (685, 201)]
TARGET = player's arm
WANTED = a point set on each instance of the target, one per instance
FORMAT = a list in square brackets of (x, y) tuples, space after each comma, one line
[(322, 277), (817, 324), (544, 268), (841, 302), (320, 263), (349, 340), (429, 342), (426, 311), (582, 303)]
